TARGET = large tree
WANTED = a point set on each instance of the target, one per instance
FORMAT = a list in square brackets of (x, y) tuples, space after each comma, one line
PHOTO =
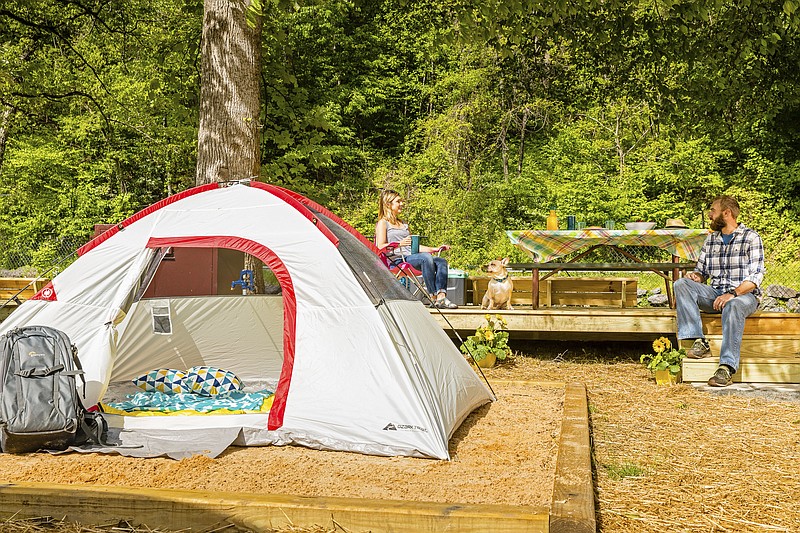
[(230, 105), (228, 140)]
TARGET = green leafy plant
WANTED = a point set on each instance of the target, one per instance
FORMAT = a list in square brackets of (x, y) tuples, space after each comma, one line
[(665, 357), (489, 339)]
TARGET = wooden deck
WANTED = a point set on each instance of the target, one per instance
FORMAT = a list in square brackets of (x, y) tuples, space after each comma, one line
[(14, 291), (568, 323), (770, 350)]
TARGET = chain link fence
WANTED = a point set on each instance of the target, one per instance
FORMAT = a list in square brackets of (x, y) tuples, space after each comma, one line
[(38, 259)]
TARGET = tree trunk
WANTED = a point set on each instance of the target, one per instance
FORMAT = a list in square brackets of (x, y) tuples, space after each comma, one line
[(228, 140), (4, 120), (523, 127)]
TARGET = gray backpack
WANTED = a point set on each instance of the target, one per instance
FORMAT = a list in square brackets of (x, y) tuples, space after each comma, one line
[(39, 404)]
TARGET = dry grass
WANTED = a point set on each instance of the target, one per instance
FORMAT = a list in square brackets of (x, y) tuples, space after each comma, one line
[(671, 459), (667, 459)]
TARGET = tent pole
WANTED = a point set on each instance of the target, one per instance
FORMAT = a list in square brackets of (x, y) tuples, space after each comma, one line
[(425, 292), (37, 278)]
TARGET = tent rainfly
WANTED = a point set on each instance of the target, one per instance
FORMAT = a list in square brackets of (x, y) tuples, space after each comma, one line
[(355, 362)]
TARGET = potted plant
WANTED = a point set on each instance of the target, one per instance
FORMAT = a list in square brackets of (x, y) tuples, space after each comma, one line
[(489, 343), (665, 362)]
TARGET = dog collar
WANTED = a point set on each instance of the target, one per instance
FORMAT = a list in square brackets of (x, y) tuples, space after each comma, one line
[(500, 280)]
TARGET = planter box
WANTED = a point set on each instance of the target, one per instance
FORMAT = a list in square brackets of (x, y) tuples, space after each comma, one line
[(665, 377)]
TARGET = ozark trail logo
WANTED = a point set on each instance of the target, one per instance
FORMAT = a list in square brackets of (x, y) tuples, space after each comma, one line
[(403, 427)]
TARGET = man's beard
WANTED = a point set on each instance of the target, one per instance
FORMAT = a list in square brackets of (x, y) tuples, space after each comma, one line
[(717, 223)]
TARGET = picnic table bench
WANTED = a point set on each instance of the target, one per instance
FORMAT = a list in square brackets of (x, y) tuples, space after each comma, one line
[(545, 289), (669, 271), (572, 291)]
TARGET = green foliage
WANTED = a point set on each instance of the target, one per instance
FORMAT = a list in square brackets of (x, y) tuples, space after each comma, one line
[(489, 339), (768, 216), (664, 357), (481, 114), (101, 113)]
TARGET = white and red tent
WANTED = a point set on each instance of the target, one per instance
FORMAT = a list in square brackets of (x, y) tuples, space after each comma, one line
[(357, 364)]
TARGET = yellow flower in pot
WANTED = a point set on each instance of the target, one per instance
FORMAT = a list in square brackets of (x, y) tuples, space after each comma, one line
[(489, 343), (665, 362)]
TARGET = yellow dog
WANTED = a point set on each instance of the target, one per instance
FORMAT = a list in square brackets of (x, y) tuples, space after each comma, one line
[(498, 293)]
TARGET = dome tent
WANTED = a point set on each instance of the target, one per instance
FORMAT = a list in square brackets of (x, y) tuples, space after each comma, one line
[(356, 363)]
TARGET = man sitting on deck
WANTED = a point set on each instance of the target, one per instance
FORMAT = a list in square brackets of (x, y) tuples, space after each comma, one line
[(732, 257)]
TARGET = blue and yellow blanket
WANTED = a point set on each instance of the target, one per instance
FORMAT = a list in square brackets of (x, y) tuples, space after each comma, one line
[(158, 403)]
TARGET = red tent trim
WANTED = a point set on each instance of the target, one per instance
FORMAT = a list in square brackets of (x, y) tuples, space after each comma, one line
[(289, 303)]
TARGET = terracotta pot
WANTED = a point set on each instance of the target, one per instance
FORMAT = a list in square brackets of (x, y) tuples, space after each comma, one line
[(488, 361), (665, 377)]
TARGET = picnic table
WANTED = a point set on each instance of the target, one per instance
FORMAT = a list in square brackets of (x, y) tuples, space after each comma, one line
[(546, 246)]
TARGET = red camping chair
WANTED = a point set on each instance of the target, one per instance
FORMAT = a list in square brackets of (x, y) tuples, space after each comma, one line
[(407, 275)]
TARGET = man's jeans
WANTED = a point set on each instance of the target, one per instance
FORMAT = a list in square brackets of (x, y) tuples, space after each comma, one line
[(692, 297)]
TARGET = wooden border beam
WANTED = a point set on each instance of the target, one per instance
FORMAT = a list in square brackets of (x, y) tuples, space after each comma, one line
[(573, 509), (201, 510)]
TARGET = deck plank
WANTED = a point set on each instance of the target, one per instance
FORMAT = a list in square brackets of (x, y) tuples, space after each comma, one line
[(751, 370), (576, 323)]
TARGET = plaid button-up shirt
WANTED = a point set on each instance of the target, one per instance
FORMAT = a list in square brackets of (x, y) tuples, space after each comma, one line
[(728, 265)]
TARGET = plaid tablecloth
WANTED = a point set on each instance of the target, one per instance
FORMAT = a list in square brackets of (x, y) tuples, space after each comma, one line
[(547, 245)]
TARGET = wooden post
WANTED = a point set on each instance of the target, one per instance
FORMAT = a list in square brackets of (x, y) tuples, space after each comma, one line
[(535, 288), (675, 271)]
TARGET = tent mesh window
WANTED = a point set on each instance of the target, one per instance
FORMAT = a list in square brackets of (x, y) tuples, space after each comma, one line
[(368, 269), (162, 322)]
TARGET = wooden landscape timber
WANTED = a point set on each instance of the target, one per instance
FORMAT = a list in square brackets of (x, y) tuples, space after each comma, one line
[(184, 510), (14, 291), (572, 506), (572, 510)]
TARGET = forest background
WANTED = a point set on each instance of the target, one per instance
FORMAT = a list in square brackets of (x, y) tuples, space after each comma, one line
[(483, 114)]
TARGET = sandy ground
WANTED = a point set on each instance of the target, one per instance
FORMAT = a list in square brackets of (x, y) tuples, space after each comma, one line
[(666, 459), (503, 453)]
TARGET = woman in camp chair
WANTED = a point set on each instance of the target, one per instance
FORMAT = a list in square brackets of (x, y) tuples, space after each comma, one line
[(393, 234)]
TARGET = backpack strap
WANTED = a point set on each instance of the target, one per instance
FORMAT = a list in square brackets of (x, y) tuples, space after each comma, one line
[(79, 368), (40, 372), (97, 431)]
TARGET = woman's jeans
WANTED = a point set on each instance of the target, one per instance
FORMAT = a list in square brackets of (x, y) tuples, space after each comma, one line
[(692, 297), (434, 270)]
